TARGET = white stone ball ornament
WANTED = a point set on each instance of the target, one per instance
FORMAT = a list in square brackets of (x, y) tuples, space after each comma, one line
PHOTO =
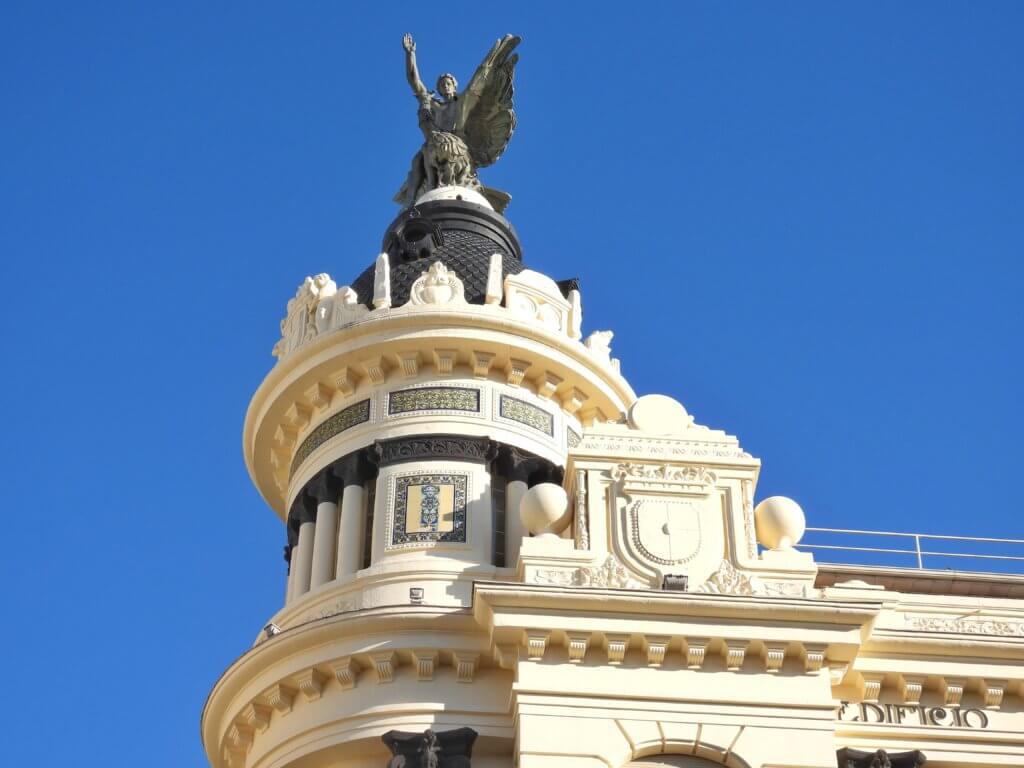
[(544, 509), (780, 523)]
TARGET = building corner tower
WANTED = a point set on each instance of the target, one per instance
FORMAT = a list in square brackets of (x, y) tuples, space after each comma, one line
[(498, 555)]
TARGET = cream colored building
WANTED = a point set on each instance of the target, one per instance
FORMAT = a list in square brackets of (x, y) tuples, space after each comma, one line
[(487, 528)]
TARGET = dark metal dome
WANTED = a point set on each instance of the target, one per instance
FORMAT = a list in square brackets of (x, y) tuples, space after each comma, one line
[(459, 234)]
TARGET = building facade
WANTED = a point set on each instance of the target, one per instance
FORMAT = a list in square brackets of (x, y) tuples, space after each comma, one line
[(488, 530)]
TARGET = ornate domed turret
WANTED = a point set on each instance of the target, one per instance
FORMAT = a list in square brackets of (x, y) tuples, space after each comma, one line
[(462, 235)]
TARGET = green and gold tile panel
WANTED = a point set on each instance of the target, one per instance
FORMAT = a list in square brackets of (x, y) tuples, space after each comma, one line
[(418, 399), (346, 418), (514, 409)]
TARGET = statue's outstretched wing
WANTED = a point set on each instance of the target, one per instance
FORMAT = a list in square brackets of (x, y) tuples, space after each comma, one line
[(486, 119)]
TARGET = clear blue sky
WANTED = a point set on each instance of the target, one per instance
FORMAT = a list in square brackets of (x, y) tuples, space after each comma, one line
[(803, 220)]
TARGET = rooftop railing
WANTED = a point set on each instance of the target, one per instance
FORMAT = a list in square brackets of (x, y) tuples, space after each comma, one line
[(922, 551)]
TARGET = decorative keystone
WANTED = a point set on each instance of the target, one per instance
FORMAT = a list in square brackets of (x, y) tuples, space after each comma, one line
[(311, 683), (952, 689), (814, 657), (696, 650), (735, 653), (346, 380), (256, 716), (573, 400), (655, 646), (872, 685), (319, 395), (515, 371), (536, 644), (547, 383), (425, 663), (375, 368), (384, 666), (297, 415), (280, 697), (576, 646), (444, 360), (481, 362), (615, 647), (465, 665), (910, 688), (284, 436), (774, 654), (346, 672), (992, 692), (409, 362)]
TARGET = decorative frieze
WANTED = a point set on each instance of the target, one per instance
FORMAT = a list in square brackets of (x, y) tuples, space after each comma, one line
[(514, 409), (610, 574), (727, 580), (572, 437), (428, 509), (332, 426), (434, 399), (965, 625), (436, 447), (855, 758)]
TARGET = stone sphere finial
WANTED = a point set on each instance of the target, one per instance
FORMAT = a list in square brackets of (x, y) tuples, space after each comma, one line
[(544, 509), (780, 522)]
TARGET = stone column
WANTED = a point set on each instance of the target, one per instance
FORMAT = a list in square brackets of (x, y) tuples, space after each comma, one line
[(352, 471), (324, 489), (302, 555)]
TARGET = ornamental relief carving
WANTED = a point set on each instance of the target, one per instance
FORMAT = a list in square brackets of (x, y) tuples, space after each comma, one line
[(965, 625), (610, 574)]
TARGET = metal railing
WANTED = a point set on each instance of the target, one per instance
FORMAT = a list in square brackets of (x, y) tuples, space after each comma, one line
[(971, 550)]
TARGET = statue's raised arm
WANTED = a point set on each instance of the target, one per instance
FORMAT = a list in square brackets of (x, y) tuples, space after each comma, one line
[(464, 131), (412, 72)]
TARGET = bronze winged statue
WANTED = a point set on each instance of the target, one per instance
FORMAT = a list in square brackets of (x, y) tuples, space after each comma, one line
[(462, 131)]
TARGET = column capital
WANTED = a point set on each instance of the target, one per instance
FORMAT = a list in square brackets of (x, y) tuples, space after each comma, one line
[(353, 469), (515, 464), (303, 508), (324, 487)]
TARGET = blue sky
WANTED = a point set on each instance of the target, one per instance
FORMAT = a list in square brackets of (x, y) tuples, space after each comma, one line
[(802, 220)]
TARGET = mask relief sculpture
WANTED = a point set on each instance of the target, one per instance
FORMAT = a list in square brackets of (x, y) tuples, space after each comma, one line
[(462, 131)]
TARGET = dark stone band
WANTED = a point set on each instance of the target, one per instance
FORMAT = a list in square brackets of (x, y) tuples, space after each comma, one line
[(855, 758), (453, 447)]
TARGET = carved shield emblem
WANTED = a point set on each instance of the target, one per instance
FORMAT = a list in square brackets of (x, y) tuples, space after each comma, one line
[(665, 531)]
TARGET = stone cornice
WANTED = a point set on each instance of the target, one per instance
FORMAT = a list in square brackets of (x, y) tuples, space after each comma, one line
[(369, 353)]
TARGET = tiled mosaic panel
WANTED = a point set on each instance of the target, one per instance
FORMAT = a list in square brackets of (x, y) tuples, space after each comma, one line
[(526, 413), (357, 413), (429, 508), (434, 399)]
